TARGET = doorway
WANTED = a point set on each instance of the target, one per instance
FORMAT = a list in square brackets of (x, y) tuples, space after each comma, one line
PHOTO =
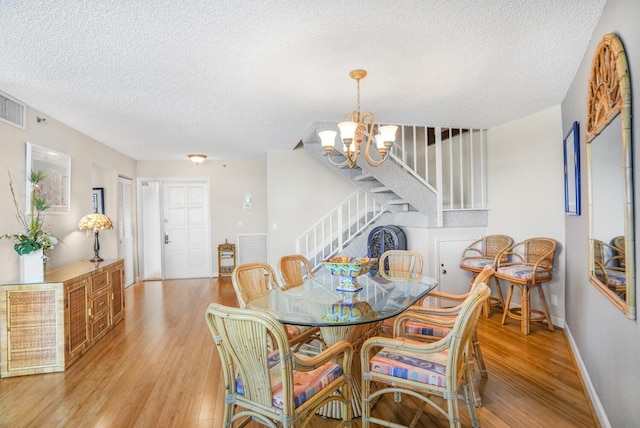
[(175, 235), (125, 228), (452, 279)]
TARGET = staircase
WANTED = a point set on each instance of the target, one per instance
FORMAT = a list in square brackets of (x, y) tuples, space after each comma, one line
[(341, 227), (422, 161)]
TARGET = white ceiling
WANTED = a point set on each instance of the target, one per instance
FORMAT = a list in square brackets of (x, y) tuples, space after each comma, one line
[(157, 79)]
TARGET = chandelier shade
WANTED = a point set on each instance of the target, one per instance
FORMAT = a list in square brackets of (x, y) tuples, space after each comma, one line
[(355, 127)]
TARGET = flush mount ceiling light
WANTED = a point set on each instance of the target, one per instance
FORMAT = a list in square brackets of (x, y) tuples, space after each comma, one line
[(197, 158), (354, 127)]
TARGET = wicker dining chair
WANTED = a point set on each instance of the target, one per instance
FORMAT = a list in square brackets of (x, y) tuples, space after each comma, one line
[(481, 253), (294, 269), (423, 370), (620, 243), (527, 265), (446, 307), (400, 264), (609, 266), (405, 265), (252, 280), (272, 386)]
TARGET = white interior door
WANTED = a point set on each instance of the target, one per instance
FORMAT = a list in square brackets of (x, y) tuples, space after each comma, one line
[(125, 228), (452, 279), (150, 230), (187, 243)]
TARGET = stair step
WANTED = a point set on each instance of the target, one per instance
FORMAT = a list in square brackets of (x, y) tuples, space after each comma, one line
[(397, 202), (365, 176), (383, 189)]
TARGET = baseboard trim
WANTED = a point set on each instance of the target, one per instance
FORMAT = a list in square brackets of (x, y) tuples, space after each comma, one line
[(558, 322), (595, 400)]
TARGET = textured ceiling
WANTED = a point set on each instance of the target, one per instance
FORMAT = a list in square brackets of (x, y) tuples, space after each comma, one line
[(157, 79)]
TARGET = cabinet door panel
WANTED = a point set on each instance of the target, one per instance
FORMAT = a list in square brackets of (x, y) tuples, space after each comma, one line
[(117, 294), (33, 326), (78, 320)]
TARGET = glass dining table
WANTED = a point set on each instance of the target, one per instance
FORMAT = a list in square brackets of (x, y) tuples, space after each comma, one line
[(353, 317)]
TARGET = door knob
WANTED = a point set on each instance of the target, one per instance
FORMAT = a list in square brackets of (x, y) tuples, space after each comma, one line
[(166, 238)]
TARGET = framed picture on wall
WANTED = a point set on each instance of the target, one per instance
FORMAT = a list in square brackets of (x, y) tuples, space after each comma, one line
[(571, 149), (97, 200), (56, 186)]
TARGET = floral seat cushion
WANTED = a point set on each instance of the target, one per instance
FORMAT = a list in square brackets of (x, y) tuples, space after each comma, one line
[(477, 263), (616, 277), (305, 384), (414, 366), (523, 272), (415, 327)]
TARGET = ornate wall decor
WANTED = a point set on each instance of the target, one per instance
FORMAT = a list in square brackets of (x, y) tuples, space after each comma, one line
[(609, 85)]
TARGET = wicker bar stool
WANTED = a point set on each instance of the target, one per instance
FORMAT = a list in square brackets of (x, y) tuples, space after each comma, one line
[(483, 253), (530, 265)]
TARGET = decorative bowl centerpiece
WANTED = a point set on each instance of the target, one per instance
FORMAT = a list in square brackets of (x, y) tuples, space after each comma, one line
[(348, 268)]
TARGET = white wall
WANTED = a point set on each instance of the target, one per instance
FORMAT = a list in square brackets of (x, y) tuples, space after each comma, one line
[(608, 342), (229, 181), (526, 189), (85, 154), (301, 190)]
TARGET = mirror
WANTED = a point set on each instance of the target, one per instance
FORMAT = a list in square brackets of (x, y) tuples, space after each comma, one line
[(610, 176)]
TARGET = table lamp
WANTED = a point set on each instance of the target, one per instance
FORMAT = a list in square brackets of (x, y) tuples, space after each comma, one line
[(96, 222)]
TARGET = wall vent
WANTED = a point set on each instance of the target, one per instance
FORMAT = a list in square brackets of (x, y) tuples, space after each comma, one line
[(252, 248), (12, 111)]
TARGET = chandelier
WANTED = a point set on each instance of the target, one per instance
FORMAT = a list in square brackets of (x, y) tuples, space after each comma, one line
[(353, 128)]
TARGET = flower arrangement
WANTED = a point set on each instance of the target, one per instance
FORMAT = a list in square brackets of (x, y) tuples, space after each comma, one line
[(33, 236)]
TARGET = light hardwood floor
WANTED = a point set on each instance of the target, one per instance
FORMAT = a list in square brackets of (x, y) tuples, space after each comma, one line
[(159, 368)]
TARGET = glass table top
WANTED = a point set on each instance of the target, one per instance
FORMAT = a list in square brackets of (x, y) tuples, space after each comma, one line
[(316, 302)]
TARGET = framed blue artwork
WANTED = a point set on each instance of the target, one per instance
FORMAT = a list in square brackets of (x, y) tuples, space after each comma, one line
[(571, 149)]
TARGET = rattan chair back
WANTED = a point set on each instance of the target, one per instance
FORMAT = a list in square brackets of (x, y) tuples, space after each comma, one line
[(487, 247), (400, 264), (255, 279), (294, 269), (242, 337), (464, 328), (619, 243), (252, 279), (539, 251), (457, 370)]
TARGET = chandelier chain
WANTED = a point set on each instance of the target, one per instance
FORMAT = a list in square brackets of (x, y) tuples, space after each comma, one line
[(358, 92)]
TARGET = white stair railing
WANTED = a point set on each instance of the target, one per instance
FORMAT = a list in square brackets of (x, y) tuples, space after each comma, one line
[(329, 235), (451, 161)]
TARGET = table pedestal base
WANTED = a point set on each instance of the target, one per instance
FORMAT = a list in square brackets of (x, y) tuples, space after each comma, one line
[(356, 335)]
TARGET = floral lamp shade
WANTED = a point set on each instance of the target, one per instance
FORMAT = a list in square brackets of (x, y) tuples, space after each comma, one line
[(95, 222)]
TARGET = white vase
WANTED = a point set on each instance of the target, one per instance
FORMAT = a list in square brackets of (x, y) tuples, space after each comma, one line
[(31, 267)]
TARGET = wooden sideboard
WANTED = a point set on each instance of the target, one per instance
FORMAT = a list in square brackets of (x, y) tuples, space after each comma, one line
[(46, 327)]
